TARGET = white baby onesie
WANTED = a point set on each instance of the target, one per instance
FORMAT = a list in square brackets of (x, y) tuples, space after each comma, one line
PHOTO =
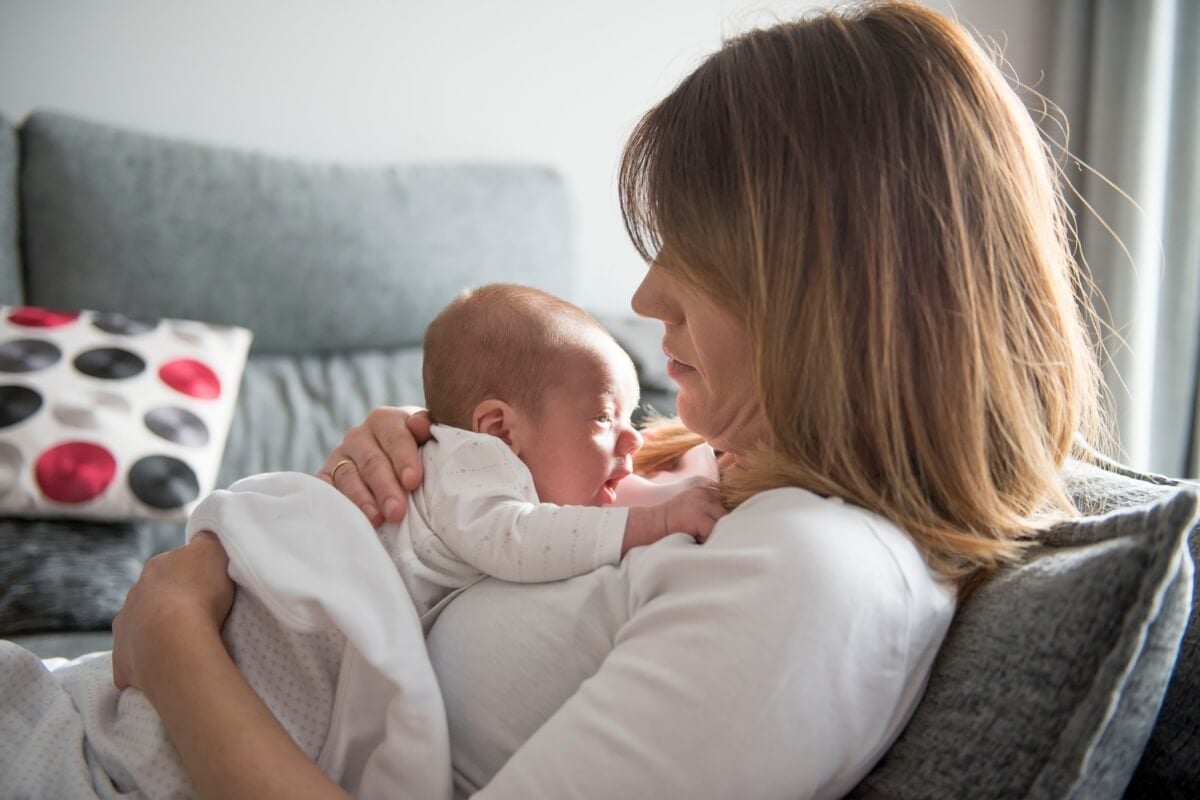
[(477, 513)]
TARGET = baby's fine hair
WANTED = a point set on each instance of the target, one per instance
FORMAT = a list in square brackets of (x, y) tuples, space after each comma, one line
[(500, 341)]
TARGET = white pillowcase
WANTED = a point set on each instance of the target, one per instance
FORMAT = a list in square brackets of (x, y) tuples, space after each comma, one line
[(108, 417)]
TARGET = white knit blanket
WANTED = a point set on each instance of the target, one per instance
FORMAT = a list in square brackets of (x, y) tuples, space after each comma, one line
[(323, 629)]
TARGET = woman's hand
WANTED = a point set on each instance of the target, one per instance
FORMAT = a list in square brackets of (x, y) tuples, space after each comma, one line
[(379, 460), (185, 592)]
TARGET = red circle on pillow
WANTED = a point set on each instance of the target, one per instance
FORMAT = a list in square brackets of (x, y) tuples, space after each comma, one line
[(191, 377), (34, 317), (74, 472)]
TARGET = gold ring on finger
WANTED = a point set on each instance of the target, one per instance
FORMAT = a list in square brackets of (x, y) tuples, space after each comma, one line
[(333, 473)]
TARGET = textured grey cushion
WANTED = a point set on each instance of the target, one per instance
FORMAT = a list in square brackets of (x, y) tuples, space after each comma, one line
[(10, 254), (1169, 767), (310, 257), (60, 575), (1051, 676)]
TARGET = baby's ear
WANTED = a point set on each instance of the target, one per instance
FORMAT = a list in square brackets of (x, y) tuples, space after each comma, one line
[(495, 418)]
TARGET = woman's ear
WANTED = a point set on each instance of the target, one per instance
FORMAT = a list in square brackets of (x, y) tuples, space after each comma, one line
[(497, 418)]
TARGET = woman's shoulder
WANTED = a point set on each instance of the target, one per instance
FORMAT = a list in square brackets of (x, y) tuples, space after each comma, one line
[(800, 524), (791, 543)]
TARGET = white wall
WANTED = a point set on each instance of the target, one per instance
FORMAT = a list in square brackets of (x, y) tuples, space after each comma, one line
[(555, 81)]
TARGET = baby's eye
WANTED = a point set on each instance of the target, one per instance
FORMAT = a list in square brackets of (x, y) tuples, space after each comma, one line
[(604, 419)]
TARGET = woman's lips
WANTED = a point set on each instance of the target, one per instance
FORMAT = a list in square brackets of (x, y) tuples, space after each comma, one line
[(677, 369)]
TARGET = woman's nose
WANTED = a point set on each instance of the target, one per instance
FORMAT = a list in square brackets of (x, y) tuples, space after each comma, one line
[(656, 297), (640, 302), (647, 300)]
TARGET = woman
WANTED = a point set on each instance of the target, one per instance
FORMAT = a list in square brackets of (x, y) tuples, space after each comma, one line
[(857, 249)]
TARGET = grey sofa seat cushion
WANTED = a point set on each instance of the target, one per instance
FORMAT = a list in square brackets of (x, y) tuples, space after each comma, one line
[(310, 257), (10, 254), (1049, 682)]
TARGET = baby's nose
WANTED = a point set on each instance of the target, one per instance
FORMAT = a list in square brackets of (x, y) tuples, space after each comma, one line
[(629, 442)]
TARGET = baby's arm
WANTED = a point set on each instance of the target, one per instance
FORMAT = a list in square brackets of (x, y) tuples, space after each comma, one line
[(515, 539), (693, 510), (484, 509)]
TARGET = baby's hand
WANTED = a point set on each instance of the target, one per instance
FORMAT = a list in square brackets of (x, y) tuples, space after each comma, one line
[(693, 511)]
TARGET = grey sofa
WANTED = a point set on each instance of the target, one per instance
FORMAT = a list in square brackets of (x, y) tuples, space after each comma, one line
[(1052, 681)]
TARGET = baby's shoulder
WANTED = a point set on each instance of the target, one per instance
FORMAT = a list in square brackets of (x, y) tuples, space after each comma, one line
[(447, 442), (455, 459)]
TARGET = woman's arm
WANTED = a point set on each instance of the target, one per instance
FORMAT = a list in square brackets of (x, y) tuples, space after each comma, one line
[(167, 643), (167, 638)]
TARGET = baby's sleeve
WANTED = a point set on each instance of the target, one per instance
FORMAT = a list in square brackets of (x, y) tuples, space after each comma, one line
[(484, 508)]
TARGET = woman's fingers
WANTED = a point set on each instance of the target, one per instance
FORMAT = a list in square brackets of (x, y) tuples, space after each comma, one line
[(380, 448), (178, 592), (349, 482), (420, 426), (379, 460), (403, 443), (395, 467), (340, 472)]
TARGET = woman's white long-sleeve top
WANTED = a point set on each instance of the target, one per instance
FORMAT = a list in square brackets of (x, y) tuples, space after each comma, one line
[(778, 660)]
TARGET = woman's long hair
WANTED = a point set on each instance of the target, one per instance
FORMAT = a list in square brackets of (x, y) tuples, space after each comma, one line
[(866, 192)]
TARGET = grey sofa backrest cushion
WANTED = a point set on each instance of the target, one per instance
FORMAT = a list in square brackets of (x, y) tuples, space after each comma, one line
[(10, 254), (310, 257)]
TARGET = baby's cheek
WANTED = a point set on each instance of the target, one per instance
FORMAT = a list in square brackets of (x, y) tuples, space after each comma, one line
[(556, 485)]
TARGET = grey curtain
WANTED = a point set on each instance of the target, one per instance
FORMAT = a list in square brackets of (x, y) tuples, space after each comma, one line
[(1127, 75)]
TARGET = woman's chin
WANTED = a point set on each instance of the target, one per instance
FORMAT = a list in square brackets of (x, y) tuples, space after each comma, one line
[(689, 415)]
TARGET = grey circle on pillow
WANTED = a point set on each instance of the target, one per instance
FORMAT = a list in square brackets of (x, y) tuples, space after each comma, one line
[(27, 355), (177, 425), (11, 462), (194, 333), (111, 322), (93, 410)]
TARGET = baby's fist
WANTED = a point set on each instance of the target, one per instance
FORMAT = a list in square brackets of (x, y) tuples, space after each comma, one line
[(694, 511)]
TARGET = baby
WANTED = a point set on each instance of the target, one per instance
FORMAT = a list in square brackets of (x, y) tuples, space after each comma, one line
[(531, 401)]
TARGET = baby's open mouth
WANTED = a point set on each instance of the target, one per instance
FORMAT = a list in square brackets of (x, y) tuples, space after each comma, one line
[(608, 491)]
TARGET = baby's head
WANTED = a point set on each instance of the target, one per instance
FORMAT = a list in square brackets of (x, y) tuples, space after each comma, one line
[(544, 376)]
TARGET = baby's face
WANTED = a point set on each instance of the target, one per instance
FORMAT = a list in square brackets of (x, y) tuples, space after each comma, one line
[(584, 442)]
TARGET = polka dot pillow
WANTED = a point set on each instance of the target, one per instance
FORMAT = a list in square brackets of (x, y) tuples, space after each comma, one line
[(109, 417)]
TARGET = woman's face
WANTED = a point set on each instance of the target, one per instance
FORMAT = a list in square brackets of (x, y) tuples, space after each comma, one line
[(710, 356)]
